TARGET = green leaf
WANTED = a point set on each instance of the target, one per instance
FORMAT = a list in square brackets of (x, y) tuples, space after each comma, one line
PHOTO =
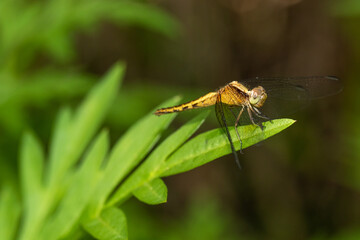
[(68, 146), (31, 169), (150, 168), (87, 120), (154, 192), (60, 136), (130, 150), (80, 190), (9, 212), (110, 225), (213, 144)]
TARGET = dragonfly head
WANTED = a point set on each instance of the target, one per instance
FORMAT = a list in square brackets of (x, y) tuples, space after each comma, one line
[(257, 96)]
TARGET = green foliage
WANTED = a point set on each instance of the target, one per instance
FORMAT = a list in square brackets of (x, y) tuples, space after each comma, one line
[(154, 192), (110, 224), (212, 144), (10, 210), (73, 186), (63, 188), (33, 32), (24, 34)]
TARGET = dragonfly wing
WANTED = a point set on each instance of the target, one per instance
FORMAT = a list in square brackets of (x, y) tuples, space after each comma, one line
[(314, 86), (288, 95)]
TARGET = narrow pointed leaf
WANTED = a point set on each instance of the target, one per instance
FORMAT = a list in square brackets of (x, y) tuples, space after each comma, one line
[(130, 150), (213, 144), (9, 212), (110, 225), (31, 175), (31, 169), (79, 193), (154, 192), (60, 136), (81, 129), (88, 118), (150, 168)]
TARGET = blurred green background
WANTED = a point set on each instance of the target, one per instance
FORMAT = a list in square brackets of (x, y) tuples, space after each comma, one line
[(302, 184)]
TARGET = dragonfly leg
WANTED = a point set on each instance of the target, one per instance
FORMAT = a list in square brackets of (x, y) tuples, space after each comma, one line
[(250, 111), (260, 114), (236, 130)]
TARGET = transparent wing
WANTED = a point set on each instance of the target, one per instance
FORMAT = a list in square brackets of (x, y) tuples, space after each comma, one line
[(288, 95), (285, 95), (295, 87)]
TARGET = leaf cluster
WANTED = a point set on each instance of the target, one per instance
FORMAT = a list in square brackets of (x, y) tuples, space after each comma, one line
[(81, 182), (38, 50)]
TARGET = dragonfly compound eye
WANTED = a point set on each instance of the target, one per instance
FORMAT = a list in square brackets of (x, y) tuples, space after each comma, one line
[(257, 96)]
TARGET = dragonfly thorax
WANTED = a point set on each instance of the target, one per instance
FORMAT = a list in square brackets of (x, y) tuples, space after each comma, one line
[(257, 96)]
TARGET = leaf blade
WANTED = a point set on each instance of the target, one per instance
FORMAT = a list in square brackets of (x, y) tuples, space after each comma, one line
[(154, 192), (10, 210), (60, 135), (110, 225), (79, 192), (149, 169), (31, 168), (88, 118), (212, 144), (31, 172), (123, 158)]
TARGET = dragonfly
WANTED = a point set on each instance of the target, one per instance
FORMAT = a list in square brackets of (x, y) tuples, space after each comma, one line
[(237, 103)]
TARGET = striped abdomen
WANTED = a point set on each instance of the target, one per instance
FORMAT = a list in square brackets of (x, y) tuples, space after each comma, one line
[(204, 101)]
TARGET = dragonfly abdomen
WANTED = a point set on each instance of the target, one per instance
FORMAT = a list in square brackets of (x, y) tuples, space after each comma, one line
[(204, 101)]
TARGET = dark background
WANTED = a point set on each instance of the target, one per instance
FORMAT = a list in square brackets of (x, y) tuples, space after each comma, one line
[(301, 184)]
